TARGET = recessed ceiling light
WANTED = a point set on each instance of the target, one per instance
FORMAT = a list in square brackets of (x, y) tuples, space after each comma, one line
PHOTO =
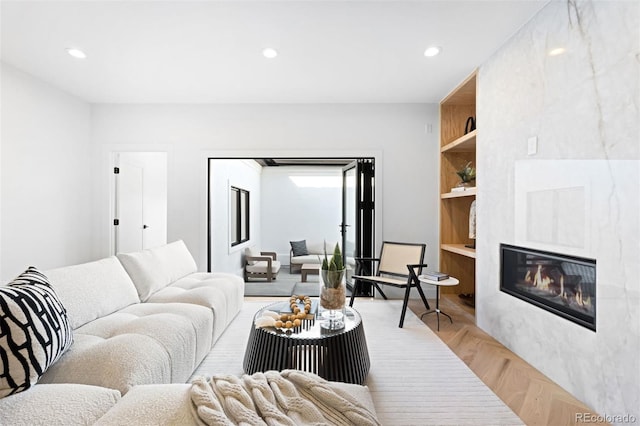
[(557, 51), (432, 51), (269, 53), (76, 53)]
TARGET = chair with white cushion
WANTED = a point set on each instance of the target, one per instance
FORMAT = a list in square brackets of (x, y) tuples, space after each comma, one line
[(260, 264)]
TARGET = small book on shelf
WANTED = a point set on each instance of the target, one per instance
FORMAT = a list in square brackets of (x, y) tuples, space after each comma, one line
[(436, 276)]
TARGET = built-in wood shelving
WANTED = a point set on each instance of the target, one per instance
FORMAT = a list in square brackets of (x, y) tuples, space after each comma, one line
[(457, 148)]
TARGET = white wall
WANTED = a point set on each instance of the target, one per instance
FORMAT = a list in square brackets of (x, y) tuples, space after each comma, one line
[(192, 133), (293, 213), (46, 176), (584, 107), (243, 174)]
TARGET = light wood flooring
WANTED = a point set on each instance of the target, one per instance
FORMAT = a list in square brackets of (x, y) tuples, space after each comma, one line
[(530, 394)]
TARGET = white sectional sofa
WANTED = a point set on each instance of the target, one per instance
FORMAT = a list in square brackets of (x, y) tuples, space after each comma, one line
[(141, 318), (142, 322)]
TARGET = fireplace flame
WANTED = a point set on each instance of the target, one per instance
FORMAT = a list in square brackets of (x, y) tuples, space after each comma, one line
[(572, 294), (581, 300), (540, 281)]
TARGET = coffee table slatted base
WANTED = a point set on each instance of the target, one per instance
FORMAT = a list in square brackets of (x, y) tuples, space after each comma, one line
[(338, 356)]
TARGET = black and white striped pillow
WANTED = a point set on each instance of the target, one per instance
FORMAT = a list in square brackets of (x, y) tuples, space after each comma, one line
[(34, 331)]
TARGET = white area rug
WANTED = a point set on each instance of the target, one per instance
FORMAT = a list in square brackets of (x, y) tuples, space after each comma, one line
[(415, 379)]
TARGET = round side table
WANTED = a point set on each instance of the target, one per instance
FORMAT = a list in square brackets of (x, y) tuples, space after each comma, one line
[(448, 282)]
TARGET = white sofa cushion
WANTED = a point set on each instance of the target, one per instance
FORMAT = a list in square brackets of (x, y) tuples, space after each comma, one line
[(92, 290), (141, 344), (318, 247), (311, 258), (223, 293), (155, 268), (153, 405), (60, 404), (262, 267)]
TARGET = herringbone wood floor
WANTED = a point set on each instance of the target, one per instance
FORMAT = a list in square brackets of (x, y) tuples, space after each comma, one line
[(531, 395)]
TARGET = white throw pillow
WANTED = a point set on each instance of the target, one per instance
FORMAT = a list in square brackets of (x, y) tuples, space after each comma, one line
[(154, 269)]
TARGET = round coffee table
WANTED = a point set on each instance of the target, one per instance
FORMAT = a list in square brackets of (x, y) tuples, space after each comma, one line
[(337, 355)]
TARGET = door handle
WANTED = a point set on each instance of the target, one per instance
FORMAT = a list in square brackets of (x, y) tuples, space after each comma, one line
[(145, 226)]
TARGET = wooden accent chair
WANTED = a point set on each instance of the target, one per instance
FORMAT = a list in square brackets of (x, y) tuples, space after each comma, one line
[(397, 267), (263, 264)]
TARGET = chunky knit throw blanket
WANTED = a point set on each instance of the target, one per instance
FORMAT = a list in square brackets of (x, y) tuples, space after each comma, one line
[(290, 397)]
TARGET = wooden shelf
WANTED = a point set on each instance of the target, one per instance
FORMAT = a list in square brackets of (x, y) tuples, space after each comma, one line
[(466, 143), (456, 150), (459, 249), (457, 194)]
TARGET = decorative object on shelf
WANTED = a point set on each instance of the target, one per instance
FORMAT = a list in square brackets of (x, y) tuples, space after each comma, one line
[(470, 125), (467, 175), (472, 225), (460, 188), (333, 290)]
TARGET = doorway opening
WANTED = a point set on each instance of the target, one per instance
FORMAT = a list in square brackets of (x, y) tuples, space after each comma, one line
[(292, 198)]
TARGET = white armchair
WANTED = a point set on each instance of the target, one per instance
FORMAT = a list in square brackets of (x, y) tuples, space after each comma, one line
[(260, 264)]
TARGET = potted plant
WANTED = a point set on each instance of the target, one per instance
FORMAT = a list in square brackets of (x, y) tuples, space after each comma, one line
[(467, 174), (332, 289)]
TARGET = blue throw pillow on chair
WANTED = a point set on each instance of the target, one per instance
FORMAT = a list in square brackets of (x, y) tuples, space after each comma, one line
[(299, 248)]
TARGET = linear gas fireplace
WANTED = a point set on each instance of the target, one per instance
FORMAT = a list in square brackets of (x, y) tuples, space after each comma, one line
[(564, 285)]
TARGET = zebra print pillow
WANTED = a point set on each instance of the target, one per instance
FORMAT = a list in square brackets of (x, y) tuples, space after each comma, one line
[(34, 331)]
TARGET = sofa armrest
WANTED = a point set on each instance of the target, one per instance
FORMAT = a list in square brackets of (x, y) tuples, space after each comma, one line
[(273, 254)]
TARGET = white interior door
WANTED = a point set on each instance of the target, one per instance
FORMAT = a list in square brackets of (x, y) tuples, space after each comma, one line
[(140, 201), (130, 228)]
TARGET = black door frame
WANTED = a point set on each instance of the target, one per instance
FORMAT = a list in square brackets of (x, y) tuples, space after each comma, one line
[(364, 218)]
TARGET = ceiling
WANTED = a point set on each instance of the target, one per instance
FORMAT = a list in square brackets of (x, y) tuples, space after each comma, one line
[(210, 51)]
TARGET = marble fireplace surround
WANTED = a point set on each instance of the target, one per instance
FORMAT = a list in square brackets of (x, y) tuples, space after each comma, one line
[(583, 106)]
